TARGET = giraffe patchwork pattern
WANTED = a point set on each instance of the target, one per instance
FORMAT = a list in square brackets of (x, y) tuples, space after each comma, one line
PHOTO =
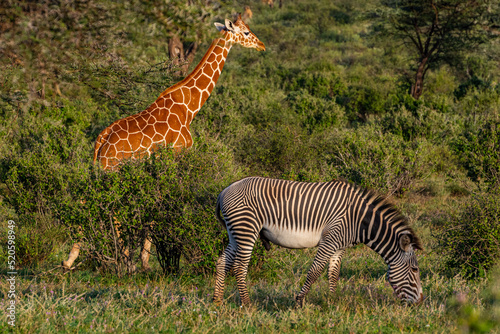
[(168, 119)]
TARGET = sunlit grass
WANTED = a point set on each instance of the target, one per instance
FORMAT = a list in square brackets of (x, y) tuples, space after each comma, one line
[(363, 302)]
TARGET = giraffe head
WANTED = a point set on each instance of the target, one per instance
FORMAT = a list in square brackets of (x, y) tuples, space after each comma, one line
[(239, 32)]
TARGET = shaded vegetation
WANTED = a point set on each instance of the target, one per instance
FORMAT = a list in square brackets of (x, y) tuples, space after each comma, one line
[(472, 238)]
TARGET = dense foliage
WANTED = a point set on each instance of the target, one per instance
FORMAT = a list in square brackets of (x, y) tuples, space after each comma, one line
[(168, 198), (330, 98), (484, 319), (472, 238), (478, 149)]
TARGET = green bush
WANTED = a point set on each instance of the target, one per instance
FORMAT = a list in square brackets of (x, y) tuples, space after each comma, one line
[(317, 114), (383, 161), (471, 239), (478, 151), (318, 84), (32, 188), (35, 180), (420, 122), (360, 101), (473, 83), (170, 197), (277, 151), (479, 104)]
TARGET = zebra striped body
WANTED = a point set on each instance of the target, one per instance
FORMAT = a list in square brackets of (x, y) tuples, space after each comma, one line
[(331, 216)]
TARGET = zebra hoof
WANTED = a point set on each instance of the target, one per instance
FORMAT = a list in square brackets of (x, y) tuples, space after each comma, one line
[(245, 304), (299, 302)]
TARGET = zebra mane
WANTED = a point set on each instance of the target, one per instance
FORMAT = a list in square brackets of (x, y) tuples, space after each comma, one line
[(391, 210)]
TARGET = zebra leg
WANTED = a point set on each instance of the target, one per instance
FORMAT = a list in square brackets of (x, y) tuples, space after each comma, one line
[(240, 268), (224, 264), (334, 269), (325, 252), (265, 241)]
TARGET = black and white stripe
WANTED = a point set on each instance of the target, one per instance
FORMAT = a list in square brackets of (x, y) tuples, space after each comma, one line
[(330, 215)]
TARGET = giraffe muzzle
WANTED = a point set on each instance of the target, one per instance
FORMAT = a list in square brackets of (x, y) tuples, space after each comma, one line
[(261, 46)]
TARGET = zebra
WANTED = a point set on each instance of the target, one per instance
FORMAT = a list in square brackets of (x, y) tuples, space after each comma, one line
[(329, 215)]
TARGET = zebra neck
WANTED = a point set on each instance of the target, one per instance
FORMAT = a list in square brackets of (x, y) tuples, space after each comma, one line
[(380, 223)]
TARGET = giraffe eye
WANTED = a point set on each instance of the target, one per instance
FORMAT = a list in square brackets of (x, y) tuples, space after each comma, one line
[(247, 33)]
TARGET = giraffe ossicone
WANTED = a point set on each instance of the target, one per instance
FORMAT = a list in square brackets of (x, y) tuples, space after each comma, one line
[(167, 120)]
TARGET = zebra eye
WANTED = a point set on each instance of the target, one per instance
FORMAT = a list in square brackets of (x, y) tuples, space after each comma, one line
[(414, 269)]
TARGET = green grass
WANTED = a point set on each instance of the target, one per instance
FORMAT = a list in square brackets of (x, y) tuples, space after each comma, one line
[(86, 301)]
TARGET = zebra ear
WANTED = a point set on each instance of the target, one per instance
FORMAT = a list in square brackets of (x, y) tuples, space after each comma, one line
[(409, 239), (405, 242)]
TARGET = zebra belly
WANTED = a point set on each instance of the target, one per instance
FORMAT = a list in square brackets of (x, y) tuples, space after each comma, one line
[(291, 238)]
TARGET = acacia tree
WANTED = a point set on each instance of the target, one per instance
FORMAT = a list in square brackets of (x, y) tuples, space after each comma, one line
[(186, 22), (440, 30)]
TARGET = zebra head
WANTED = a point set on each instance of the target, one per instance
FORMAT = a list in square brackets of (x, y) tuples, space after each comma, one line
[(403, 273)]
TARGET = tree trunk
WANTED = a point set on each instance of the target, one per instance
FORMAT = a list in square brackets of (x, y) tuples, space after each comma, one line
[(176, 52), (417, 88), (189, 56)]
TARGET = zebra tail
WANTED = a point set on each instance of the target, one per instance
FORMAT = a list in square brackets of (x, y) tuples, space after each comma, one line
[(218, 208), (221, 220)]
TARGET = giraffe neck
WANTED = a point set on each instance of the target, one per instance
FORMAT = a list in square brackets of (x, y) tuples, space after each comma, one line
[(195, 89)]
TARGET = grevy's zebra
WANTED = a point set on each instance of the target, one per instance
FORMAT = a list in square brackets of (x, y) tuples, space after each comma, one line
[(332, 215)]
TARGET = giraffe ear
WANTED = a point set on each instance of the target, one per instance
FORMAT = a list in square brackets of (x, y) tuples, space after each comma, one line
[(231, 27), (219, 26)]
